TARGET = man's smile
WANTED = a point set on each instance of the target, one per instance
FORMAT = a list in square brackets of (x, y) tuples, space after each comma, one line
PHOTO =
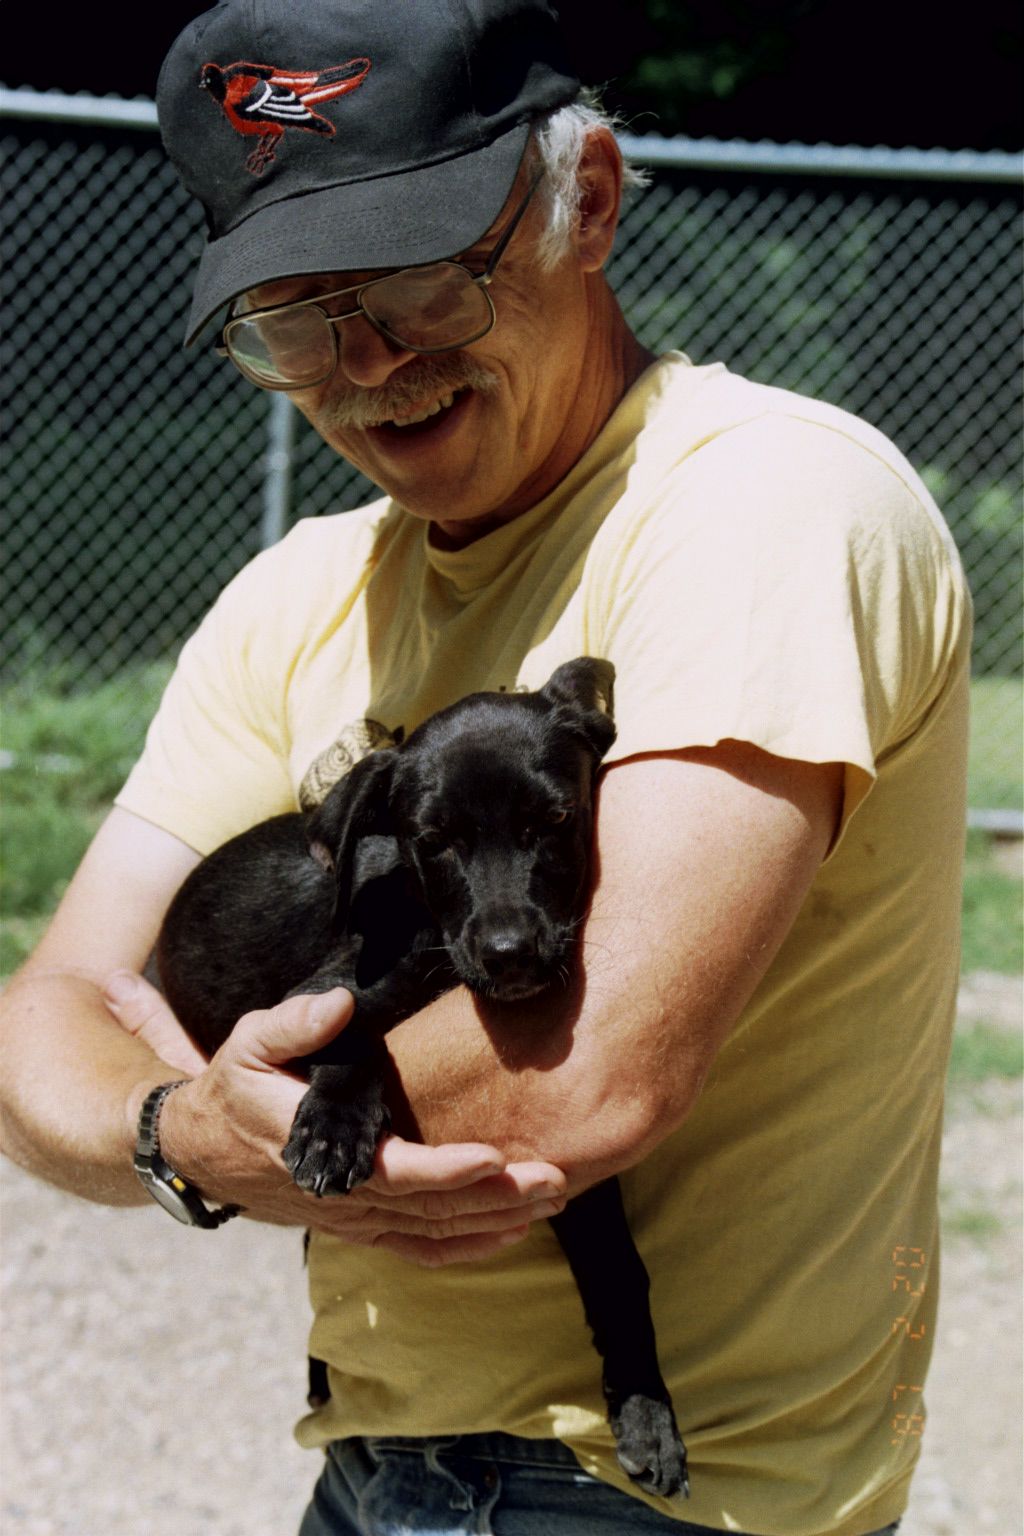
[(418, 414), (429, 420), (412, 418), (421, 389)]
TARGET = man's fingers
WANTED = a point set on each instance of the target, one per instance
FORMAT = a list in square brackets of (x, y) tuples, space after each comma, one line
[(435, 1253), (407, 1168), (533, 1181), (378, 1226), (296, 1027), (458, 1176), (143, 1012)]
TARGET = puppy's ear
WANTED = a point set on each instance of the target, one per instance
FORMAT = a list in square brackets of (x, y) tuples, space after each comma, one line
[(356, 807), (583, 692)]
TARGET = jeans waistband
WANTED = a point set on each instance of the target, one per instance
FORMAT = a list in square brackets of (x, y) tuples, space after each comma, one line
[(493, 1446)]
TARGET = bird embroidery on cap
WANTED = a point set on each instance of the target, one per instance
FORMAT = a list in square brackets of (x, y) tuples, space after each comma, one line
[(260, 99)]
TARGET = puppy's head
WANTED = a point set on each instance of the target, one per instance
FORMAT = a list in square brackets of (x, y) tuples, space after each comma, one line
[(490, 803)]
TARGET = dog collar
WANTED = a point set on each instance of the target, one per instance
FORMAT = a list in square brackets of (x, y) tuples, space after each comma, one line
[(177, 1196)]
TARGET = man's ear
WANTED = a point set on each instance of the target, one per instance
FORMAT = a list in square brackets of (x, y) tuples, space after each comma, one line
[(600, 173), (356, 807)]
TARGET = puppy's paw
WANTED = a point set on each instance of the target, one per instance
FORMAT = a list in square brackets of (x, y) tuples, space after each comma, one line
[(333, 1141), (648, 1446)]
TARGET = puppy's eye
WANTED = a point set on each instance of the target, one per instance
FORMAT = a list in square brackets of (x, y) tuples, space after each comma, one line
[(557, 815)]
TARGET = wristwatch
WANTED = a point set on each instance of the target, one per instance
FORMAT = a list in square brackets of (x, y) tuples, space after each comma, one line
[(168, 1188)]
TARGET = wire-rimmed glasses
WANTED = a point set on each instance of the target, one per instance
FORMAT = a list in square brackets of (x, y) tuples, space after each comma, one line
[(428, 309)]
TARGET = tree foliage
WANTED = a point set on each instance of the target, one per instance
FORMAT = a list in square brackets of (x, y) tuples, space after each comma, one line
[(808, 70)]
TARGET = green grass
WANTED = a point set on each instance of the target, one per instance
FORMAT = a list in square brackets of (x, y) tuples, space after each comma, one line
[(995, 775), (981, 1051), (69, 755), (976, 1223), (993, 912)]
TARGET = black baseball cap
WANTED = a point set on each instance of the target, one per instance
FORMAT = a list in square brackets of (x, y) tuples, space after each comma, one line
[(351, 135)]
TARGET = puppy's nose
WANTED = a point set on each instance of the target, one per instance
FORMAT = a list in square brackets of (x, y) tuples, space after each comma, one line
[(508, 953)]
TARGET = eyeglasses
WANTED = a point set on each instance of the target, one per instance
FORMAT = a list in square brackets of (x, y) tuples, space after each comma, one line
[(427, 309)]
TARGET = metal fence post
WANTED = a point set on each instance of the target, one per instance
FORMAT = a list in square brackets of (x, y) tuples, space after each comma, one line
[(277, 473)]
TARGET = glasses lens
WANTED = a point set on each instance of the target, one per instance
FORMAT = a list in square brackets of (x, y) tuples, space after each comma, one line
[(291, 347), (429, 308)]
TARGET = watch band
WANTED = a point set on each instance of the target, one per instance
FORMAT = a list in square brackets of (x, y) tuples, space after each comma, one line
[(147, 1144), (177, 1196)]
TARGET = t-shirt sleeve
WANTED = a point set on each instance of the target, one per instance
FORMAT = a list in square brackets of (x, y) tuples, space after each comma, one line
[(783, 586), (220, 723)]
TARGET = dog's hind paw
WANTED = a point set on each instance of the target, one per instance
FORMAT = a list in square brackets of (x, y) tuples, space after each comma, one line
[(649, 1448), (333, 1144)]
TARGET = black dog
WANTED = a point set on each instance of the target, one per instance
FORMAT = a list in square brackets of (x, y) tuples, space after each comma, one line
[(461, 855)]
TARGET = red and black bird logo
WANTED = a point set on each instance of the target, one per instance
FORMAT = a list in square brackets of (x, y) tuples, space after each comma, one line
[(262, 100)]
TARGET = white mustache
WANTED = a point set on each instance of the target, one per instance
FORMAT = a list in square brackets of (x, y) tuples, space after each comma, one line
[(419, 381)]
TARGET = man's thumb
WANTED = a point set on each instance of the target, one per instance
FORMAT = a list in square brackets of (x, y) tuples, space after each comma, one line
[(141, 1010), (296, 1027)]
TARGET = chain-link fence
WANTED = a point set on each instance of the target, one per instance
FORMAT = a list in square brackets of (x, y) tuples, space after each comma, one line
[(137, 479)]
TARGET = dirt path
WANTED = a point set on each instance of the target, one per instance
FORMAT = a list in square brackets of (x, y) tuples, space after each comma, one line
[(177, 1424), (969, 1479)]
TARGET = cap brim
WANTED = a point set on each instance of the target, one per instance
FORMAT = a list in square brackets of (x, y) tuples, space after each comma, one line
[(403, 220)]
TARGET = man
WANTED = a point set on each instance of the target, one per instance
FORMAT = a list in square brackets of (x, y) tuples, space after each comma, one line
[(769, 966)]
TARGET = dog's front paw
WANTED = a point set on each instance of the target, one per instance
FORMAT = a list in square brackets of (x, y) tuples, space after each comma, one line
[(333, 1140), (648, 1446)]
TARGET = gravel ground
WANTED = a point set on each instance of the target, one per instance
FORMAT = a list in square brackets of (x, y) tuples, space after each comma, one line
[(126, 1411)]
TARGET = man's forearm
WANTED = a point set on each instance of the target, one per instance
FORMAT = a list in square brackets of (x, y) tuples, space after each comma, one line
[(704, 860), (569, 1077), (74, 1085), (72, 1080)]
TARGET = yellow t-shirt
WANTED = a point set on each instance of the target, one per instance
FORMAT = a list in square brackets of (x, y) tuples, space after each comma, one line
[(759, 567)]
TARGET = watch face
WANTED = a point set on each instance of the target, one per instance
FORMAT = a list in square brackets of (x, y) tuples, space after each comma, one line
[(165, 1194), (171, 1201)]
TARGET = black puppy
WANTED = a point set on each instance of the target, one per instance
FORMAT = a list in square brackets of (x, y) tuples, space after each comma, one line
[(461, 855)]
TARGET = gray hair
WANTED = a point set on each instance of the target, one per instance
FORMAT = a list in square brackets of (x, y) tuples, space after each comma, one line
[(559, 139)]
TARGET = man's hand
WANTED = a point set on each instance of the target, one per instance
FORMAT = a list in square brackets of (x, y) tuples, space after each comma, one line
[(225, 1131)]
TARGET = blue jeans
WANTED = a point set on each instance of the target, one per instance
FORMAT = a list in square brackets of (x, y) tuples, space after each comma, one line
[(474, 1485)]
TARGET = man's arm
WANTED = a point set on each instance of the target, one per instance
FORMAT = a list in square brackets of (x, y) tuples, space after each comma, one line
[(70, 1076), (704, 859), (73, 1083)]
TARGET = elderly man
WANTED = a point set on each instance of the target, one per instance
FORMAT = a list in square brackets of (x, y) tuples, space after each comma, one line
[(409, 212)]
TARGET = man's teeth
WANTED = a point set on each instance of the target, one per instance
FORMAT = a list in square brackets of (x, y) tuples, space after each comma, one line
[(430, 410)]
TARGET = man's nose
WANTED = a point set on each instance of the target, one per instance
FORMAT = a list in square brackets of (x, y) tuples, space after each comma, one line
[(366, 357)]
